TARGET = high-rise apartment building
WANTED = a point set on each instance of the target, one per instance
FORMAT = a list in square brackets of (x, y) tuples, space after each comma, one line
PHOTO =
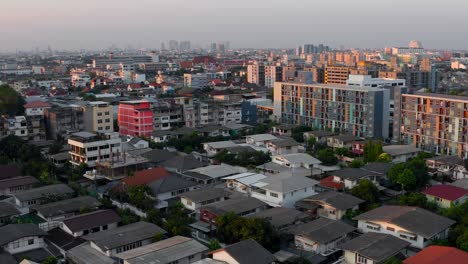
[(196, 81), (336, 74), (135, 118), (433, 122), (98, 117), (256, 73), (273, 73), (90, 148), (360, 111)]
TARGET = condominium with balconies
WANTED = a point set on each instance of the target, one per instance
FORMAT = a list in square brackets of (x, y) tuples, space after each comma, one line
[(135, 118), (433, 122), (91, 148), (360, 111)]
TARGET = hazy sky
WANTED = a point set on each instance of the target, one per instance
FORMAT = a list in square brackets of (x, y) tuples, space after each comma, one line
[(245, 23)]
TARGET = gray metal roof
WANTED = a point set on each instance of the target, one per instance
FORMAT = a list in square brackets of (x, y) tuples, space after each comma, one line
[(124, 235), (91, 220), (413, 219), (375, 246), (280, 216), (169, 184), (339, 200), (352, 174), (323, 230), (249, 252), (36, 193), (183, 163), (85, 254), (164, 251), (236, 205), (157, 155), (66, 206), (14, 232), (397, 150), (7, 209), (17, 181), (205, 194)]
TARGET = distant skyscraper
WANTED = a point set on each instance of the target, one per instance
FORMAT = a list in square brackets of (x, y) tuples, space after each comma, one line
[(185, 46), (173, 45), (415, 44), (213, 47), (163, 46)]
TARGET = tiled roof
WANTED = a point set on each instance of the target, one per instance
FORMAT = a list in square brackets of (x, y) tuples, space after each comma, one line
[(438, 254), (329, 183), (447, 192), (146, 176), (37, 104)]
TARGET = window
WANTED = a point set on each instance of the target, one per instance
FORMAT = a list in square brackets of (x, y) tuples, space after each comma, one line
[(99, 121), (191, 257), (99, 114), (104, 227), (390, 229), (360, 259), (30, 241), (272, 194)]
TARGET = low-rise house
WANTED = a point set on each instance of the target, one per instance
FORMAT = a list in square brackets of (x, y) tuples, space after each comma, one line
[(7, 212), (350, 177), (41, 195), (96, 221), (242, 206), (372, 248), (243, 182), (60, 210), (331, 205), (176, 249), (296, 160), (342, 141), (401, 153), (320, 136), (180, 164), (61, 241), (9, 171), (212, 174), (412, 224), (245, 252), (438, 254), (321, 236), (284, 146), (283, 129), (163, 184), (260, 140), (446, 195), (283, 191), (196, 199), (19, 238), (14, 185), (213, 148), (84, 254), (114, 241), (451, 166), (281, 217)]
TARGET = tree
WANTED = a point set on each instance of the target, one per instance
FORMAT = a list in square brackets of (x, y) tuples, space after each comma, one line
[(154, 216), (214, 244), (11, 103), (384, 157), (372, 150), (140, 196), (327, 156), (177, 222), (406, 179), (55, 148), (367, 191), (356, 163), (342, 151), (157, 237), (393, 260), (128, 217), (298, 132), (50, 260), (413, 199)]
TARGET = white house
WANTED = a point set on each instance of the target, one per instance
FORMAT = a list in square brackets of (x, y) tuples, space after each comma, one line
[(213, 148), (195, 199), (243, 182), (17, 238), (259, 139), (401, 153), (412, 224), (92, 222), (333, 205), (296, 160), (283, 191)]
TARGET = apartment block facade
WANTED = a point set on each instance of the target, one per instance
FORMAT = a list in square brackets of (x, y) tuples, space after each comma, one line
[(336, 74), (98, 117), (360, 111), (433, 122), (90, 148), (273, 74), (135, 118), (256, 73)]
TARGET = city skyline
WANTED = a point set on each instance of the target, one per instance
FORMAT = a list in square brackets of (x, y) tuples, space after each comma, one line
[(145, 24)]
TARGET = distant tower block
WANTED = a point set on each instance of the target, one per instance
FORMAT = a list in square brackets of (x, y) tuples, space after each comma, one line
[(415, 44)]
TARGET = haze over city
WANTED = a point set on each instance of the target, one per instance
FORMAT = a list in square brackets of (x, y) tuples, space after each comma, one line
[(90, 24)]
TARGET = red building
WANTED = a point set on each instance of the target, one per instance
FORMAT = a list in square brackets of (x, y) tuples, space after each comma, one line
[(135, 118)]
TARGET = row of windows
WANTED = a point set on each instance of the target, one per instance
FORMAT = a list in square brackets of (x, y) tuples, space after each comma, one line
[(129, 247)]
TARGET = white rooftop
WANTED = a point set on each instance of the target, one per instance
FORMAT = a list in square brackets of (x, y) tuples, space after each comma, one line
[(217, 171)]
